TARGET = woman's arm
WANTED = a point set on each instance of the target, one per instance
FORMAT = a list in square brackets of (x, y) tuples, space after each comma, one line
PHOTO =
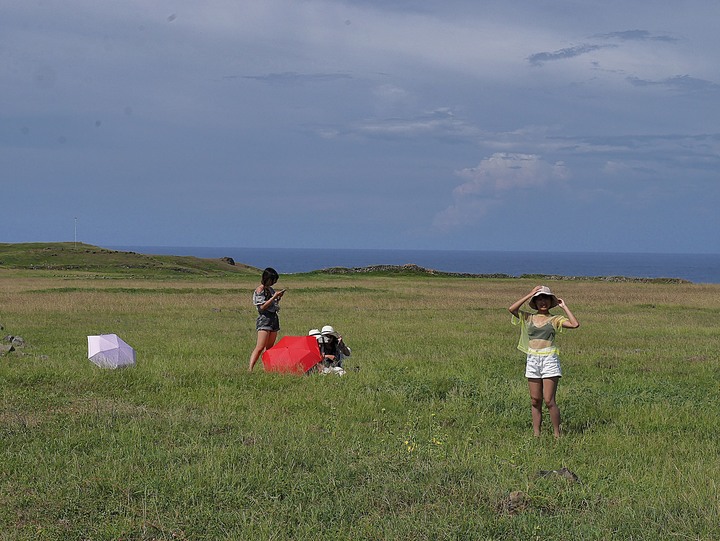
[(343, 347), (515, 307), (268, 303), (572, 322)]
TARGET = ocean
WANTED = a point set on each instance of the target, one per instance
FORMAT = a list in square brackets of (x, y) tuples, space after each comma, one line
[(697, 268)]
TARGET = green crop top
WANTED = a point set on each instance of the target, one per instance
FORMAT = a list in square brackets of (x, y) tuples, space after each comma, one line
[(528, 331)]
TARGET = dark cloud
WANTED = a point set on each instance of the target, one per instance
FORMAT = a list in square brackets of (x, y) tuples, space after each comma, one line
[(538, 59), (679, 83), (635, 35), (292, 78), (671, 150)]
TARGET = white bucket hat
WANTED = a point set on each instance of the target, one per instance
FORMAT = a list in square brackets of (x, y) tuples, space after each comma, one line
[(328, 330), (544, 290), (314, 332)]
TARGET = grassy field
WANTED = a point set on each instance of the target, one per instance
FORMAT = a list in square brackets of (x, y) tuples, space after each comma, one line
[(427, 437)]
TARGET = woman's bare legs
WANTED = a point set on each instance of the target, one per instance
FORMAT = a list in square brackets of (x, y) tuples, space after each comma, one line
[(550, 386), (536, 401), (265, 340), (543, 390)]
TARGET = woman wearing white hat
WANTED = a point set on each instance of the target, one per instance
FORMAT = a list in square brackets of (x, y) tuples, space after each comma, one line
[(537, 340), (332, 347)]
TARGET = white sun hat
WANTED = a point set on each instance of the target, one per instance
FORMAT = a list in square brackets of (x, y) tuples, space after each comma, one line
[(328, 330), (544, 290)]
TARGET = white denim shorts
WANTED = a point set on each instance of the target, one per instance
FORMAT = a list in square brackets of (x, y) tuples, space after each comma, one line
[(542, 366)]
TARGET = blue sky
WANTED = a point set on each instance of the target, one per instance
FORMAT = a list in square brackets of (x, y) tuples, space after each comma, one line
[(563, 125)]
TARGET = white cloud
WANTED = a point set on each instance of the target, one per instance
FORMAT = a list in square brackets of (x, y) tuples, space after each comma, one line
[(612, 167), (492, 181), (391, 93), (438, 123), (504, 171)]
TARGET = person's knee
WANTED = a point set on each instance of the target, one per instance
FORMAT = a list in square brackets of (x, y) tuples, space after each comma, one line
[(536, 402), (550, 403)]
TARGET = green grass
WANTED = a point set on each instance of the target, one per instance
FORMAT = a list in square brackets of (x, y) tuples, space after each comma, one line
[(87, 261), (425, 441)]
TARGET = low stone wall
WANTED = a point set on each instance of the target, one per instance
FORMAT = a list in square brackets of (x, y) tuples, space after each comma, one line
[(416, 269)]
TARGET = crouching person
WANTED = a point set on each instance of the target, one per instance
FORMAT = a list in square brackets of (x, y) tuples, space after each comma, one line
[(332, 348)]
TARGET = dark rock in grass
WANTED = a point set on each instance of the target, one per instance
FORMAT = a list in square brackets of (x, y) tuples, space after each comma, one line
[(562, 472), (17, 341), (515, 502), (228, 260)]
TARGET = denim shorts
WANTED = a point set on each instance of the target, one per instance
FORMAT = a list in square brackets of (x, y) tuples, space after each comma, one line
[(542, 366), (268, 321)]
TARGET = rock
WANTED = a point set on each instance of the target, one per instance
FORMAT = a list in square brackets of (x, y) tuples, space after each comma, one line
[(516, 502), (5, 349), (17, 341), (228, 260), (8, 338)]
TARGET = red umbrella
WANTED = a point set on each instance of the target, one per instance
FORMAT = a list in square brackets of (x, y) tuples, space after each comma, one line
[(296, 354)]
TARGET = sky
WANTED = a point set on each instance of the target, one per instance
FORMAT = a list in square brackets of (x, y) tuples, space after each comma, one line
[(568, 125)]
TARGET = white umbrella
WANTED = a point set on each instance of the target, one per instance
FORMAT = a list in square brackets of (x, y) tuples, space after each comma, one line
[(110, 351)]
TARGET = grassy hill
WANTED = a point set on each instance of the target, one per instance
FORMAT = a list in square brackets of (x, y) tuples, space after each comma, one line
[(69, 256), (426, 438)]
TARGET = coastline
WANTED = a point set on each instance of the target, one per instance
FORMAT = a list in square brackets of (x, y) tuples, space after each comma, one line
[(694, 268), (416, 269)]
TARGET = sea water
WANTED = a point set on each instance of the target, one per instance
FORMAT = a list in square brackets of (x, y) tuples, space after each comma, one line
[(697, 268)]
